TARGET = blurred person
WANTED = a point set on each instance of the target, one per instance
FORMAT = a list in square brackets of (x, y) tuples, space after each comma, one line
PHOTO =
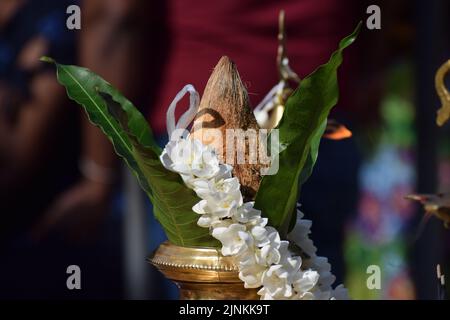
[(104, 46), (32, 111), (116, 41), (69, 180), (39, 152), (114, 44), (36, 160)]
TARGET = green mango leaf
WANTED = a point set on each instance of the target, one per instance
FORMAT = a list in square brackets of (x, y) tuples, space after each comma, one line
[(172, 200), (300, 131), (132, 139), (312, 154)]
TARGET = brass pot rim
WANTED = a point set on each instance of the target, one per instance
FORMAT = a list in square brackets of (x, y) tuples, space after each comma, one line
[(194, 264), (201, 272)]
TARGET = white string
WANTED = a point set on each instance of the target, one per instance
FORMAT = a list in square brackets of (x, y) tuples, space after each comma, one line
[(188, 116), (269, 96), (261, 111)]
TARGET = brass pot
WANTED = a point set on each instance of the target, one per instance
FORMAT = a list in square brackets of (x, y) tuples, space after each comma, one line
[(201, 273)]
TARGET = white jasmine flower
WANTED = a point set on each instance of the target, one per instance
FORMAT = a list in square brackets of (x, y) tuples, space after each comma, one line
[(201, 207), (261, 222), (290, 263), (306, 296), (233, 238), (251, 275), (322, 294), (251, 272), (275, 283), (248, 215), (340, 293), (226, 205), (216, 188), (165, 156), (326, 280), (303, 227), (260, 235), (301, 230), (299, 213), (300, 236), (225, 223), (265, 295), (269, 253), (307, 246), (208, 221), (225, 171), (204, 164), (177, 156), (221, 205), (191, 159), (324, 268), (304, 281), (321, 264)]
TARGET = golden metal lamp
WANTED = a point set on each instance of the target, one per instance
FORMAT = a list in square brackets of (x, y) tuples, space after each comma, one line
[(444, 112)]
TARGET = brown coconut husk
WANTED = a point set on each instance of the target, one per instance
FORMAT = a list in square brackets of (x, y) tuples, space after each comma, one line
[(225, 105)]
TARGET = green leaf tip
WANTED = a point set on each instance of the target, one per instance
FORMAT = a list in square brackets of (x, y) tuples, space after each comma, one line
[(352, 37), (300, 131), (47, 59)]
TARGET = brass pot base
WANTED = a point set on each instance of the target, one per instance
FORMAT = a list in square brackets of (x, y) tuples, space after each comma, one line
[(201, 273)]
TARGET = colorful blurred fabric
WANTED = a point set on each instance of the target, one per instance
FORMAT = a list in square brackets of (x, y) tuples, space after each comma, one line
[(378, 235)]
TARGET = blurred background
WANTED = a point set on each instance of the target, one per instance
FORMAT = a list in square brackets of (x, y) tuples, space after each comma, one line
[(65, 199)]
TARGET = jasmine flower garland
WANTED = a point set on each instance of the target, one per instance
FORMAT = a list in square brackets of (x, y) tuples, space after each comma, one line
[(265, 261)]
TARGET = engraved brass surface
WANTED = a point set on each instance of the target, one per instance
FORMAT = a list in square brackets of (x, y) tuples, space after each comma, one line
[(201, 273)]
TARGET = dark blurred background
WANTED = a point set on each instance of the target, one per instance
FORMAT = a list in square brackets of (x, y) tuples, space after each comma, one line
[(65, 199)]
